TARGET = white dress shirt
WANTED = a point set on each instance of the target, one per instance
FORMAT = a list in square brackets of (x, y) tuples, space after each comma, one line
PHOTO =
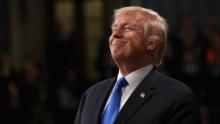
[(134, 79)]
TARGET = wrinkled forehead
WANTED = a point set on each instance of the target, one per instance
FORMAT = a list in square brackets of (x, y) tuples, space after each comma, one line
[(130, 16)]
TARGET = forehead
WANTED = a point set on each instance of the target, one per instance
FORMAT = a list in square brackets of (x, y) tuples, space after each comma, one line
[(130, 17)]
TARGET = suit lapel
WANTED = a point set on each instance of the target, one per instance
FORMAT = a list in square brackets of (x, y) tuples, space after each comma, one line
[(140, 95), (102, 97)]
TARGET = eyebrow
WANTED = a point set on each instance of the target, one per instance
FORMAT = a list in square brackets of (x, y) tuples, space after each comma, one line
[(133, 26), (124, 24)]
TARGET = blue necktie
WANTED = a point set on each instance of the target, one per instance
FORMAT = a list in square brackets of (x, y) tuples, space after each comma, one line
[(113, 107)]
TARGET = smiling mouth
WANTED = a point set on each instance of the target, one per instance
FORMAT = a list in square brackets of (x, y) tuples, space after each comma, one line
[(116, 42), (119, 44)]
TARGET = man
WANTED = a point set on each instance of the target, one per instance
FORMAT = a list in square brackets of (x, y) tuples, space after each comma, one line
[(137, 45)]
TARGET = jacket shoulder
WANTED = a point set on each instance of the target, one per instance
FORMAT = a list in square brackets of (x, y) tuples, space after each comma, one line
[(100, 85), (173, 84)]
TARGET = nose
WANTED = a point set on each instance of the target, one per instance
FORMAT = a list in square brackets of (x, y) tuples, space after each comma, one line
[(117, 33)]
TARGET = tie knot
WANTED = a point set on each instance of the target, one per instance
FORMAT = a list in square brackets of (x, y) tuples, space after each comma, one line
[(122, 82)]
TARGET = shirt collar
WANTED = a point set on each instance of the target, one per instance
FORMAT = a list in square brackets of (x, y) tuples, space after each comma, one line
[(136, 76)]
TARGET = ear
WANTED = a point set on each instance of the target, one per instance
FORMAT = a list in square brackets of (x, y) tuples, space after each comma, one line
[(152, 43)]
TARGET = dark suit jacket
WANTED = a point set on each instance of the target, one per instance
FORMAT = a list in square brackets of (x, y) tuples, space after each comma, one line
[(166, 101)]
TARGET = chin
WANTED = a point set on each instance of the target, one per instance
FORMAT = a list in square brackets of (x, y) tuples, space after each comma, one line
[(118, 57)]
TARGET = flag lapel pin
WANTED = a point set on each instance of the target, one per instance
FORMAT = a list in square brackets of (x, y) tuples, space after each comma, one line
[(142, 95)]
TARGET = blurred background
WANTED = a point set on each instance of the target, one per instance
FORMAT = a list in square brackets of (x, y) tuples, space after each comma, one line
[(53, 50)]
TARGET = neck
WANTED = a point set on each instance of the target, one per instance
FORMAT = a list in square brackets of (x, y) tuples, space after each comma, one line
[(126, 69)]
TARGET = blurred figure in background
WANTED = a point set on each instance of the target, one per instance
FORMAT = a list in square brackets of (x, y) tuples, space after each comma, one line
[(65, 70), (189, 45), (10, 92), (32, 89)]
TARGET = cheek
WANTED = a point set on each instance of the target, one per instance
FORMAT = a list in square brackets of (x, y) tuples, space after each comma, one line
[(138, 43), (110, 40)]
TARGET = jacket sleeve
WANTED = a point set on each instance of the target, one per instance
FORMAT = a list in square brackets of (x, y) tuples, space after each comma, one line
[(186, 111), (80, 109)]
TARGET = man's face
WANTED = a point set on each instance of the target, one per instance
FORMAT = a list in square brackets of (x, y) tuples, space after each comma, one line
[(127, 41)]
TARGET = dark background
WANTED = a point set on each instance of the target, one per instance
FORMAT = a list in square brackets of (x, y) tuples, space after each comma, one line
[(53, 50)]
